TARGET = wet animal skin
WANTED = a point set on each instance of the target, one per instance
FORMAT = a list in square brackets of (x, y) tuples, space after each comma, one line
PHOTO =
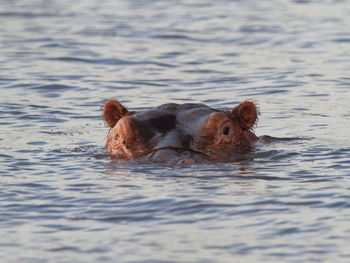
[(180, 133)]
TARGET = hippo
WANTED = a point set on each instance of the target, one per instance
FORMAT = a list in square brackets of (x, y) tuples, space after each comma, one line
[(180, 133)]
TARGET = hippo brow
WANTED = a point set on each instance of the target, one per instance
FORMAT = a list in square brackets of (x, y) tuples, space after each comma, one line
[(233, 117)]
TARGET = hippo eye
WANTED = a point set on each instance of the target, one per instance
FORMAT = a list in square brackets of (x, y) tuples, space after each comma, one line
[(226, 130)]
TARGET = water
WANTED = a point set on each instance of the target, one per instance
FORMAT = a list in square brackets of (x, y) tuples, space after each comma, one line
[(63, 200)]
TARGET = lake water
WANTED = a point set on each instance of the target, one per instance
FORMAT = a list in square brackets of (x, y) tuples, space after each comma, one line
[(63, 200)]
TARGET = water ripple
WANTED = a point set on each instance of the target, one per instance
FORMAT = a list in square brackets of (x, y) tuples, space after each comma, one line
[(110, 61), (62, 199)]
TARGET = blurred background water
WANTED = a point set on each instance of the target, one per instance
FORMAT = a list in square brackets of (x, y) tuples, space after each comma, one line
[(62, 200)]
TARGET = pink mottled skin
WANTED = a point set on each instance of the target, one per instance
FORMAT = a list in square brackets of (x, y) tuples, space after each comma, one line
[(180, 133)]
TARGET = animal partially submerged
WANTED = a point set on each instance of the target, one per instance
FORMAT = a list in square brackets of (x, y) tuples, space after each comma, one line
[(180, 133)]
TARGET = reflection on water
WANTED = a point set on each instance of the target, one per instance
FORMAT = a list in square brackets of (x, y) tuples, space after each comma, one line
[(64, 200)]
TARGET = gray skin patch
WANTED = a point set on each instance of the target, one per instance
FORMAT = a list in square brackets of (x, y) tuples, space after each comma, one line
[(177, 126)]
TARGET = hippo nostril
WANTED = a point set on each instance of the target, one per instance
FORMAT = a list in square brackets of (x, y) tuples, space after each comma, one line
[(187, 140)]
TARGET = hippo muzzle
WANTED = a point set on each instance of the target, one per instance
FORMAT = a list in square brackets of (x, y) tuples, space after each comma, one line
[(173, 133)]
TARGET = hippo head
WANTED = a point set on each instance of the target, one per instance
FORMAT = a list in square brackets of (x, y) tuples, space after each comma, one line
[(180, 132)]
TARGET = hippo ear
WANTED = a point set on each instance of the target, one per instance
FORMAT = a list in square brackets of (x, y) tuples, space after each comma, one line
[(246, 113), (113, 110)]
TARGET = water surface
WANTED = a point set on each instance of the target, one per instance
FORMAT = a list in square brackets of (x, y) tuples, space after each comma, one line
[(63, 200)]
